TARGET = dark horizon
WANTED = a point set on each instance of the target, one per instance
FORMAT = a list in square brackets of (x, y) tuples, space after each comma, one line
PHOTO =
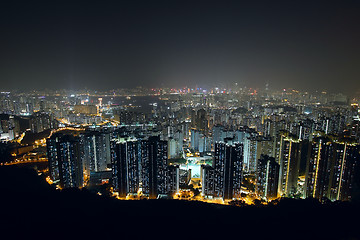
[(308, 46)]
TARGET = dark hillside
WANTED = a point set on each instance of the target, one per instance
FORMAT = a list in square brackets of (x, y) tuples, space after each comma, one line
[(32, 208)]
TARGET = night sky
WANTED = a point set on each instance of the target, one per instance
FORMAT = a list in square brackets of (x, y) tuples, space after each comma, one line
[(308, 45)]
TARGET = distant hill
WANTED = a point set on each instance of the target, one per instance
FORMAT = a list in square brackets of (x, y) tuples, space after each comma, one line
[(32, 208), (31, 137)]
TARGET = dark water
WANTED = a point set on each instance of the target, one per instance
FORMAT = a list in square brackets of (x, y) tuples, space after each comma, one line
[(140, 101)]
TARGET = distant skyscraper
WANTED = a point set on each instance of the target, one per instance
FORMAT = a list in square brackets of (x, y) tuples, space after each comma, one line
[(65, 160), (268, 128), (265, 146), (42, 105), (41, 121), (195, 139), (202, 120), (267, 177), (86, 109), (175, 145), (306, 128), (172, 146)]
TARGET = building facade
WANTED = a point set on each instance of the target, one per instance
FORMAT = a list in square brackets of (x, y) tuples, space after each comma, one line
[(65, 160), (223, 179), (267, 178)]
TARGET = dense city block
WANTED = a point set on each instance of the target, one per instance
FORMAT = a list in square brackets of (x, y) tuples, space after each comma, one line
[(214, 145)]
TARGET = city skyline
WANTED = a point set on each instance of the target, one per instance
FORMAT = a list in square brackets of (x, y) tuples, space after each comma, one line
[(231, 88), (212, 145)]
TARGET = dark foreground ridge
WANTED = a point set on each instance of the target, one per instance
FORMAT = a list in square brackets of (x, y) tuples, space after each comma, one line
[(32, 208)]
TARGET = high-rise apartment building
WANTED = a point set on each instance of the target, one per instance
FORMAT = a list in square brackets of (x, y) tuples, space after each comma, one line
[(223, 179), (290, 153), (41, 121), (65, 160), (330, 169), (126, 154), (96, 150), (207, 180), (267, 177), (143, 165), (250, 154)]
